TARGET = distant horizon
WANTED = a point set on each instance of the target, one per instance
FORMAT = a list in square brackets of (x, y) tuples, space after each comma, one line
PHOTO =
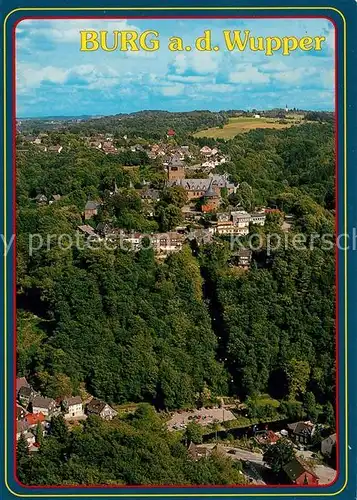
[(89, 116)]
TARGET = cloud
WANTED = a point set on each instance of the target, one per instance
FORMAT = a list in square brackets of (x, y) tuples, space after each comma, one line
[(201, 63), (172, 90), (190, 78), (247, 73)]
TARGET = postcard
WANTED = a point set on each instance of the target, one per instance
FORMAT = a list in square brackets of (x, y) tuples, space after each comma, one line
[(177, 248)]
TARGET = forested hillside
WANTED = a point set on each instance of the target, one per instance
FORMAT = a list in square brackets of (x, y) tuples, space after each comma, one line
[(128, 327)]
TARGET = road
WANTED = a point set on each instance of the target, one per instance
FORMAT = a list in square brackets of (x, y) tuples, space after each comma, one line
[(325, 474)]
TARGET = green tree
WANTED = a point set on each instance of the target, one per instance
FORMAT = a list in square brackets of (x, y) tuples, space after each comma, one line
[(278, 455), (193, 433), (298, 374)]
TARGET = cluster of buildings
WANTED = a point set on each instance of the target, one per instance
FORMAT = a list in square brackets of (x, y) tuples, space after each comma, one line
[(34, 409)]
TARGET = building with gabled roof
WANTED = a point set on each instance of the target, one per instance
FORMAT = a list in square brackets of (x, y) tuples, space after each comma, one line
[(298, 472)]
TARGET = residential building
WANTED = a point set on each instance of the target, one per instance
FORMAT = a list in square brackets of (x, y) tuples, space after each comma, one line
[(20, 412), (21, 427), (41, 199), (101, 409), (33, 419), (30, 438), (168, 242), (21, 382), (228, 228), (54, 149), (258, 218), (298, 472), (88, 231), (242, 258), (108, 147), (150, 194), (241, 218), (197, 452), (206, 151), (73, 407), (171, 133), (55, 197), (25, 395), (328, 444), (43, 405), (301, 432), (91, 209)]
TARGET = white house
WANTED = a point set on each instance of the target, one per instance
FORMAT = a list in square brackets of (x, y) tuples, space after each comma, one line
[(43, 405), (73, 407)]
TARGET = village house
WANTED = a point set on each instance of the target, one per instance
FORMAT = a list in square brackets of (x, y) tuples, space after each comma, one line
[(91, 209), (200, 236), (241, 218), (20, 412), (258, 218), (21, 427), (207, 151), (73, 407), (301, 432), (95, 144), (165, 243), (25, 395), (55, 197), (170, 133), (197, 452), (328, 444), (41, 199), (229, 228), (46, 406), (33, 419), (54, 149), (21, 382), (242, 258), (150, 194), (298, 472), (88, 231), (108, 147), (30, 438), (100, 409)]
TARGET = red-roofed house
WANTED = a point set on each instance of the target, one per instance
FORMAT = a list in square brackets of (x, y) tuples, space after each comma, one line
[(171, 133), (33, 419)]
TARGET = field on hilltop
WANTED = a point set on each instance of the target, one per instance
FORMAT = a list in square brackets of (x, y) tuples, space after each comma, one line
[(241, 124)]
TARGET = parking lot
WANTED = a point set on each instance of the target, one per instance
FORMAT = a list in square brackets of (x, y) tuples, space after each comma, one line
[(204, 416)]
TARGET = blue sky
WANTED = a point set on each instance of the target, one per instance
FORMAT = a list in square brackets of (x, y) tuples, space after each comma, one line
[(54, 78)]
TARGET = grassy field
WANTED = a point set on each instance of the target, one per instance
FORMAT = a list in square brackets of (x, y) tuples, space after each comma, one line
[(240, 125)]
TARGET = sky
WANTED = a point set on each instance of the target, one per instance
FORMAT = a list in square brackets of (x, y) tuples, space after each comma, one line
[(54, 78)]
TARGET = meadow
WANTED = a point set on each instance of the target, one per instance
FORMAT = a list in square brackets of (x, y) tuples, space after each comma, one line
[(239, 125)]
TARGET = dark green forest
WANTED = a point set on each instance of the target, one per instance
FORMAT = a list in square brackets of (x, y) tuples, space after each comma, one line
[(128, 328)]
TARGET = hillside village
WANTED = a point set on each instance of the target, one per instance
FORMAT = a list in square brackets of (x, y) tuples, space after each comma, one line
[(207, 353), (206, 213)]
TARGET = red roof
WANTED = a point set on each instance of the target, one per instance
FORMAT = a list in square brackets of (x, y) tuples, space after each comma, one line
[(171, 132), (272, 210), (33, 419)]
